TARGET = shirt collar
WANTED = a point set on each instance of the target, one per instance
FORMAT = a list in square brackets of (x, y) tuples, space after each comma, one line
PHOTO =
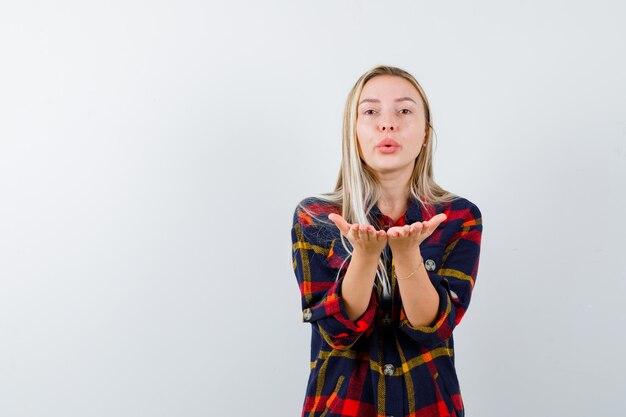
[(412, 214)]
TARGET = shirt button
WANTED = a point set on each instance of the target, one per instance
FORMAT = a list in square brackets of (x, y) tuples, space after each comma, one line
[(386, 320), (430, 265), (389, 369), (307, 314)]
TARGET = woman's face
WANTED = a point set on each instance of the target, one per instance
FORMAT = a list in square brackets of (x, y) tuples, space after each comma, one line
[(390, 108)]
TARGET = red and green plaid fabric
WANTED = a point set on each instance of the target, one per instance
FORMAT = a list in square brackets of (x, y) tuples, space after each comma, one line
[(380, 365)]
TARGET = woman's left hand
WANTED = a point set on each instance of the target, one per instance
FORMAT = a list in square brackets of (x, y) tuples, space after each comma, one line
[(407, 239)]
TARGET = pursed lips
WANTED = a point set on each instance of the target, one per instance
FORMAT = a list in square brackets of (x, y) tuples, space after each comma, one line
[(387, 142)]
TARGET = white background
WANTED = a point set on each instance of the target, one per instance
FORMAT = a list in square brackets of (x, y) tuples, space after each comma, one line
[(152, 154)]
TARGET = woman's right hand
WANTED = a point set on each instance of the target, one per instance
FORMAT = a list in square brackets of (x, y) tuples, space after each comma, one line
[(364, 238)]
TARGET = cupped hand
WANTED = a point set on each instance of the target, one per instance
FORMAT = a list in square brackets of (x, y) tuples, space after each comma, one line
[(407, 238), (363, 237)]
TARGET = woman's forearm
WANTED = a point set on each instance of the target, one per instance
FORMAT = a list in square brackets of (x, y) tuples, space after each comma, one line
[(356, 289), (420, 299)]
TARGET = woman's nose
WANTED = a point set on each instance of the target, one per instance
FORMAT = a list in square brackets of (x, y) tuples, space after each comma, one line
[(387, 127), (387, 123)]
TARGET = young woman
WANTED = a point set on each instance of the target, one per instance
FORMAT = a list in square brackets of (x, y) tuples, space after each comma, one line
[(386, 263)]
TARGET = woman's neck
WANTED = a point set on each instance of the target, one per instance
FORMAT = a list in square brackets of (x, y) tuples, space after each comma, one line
[(394, 206)]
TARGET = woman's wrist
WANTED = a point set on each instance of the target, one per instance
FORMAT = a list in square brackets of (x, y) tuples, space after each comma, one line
[(366, 255), (419, 265), (407, 255)]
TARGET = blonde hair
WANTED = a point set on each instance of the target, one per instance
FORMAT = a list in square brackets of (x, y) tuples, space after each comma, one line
[(357, 188)]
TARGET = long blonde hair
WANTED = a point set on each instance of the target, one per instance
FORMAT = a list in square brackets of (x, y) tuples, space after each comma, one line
[(357, 188)]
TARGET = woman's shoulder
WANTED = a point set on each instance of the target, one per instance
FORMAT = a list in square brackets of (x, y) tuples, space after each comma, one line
[(465, 207), (311, 217), (319, 203), (315, 208)]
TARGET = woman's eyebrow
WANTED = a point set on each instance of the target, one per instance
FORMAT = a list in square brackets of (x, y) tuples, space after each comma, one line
[(375, 100)]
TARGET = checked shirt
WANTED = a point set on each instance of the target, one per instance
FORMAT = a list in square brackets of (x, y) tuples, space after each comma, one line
[(380, 365)]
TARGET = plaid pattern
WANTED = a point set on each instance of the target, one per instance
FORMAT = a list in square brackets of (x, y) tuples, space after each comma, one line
[(380, 365)]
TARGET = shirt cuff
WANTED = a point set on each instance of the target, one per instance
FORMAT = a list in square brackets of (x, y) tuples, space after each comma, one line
[(432, 336), (335, 325)]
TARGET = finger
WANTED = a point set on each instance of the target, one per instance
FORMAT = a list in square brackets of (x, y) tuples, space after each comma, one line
[(437, 220), (418, 226), (422, 230), (428, 227), (340, 222), (363, 232), (367, 232)]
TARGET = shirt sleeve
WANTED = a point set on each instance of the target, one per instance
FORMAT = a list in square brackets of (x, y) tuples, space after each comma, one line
[(454, 282), (320, 290)]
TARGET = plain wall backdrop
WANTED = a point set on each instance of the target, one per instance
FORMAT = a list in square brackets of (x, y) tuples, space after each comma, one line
[(152, 154)]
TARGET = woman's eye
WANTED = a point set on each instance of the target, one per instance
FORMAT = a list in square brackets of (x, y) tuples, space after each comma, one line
[(403, 110)]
